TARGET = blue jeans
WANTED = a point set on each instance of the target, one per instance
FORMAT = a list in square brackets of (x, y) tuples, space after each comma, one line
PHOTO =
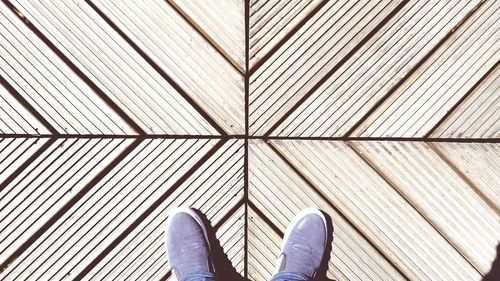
[(282, 276)]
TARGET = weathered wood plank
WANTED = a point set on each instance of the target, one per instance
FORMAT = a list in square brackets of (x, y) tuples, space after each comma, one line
[(278, 192), (371, 204), (182, 53), (424, 99), (440, 196), (479, 164), (371, 73), (308, 55), (478, 116), (223, 22)]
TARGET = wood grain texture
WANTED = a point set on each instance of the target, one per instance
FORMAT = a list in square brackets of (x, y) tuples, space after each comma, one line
[(424, 99), (478, 116), (379, 211), (307, 56), (371, 73)]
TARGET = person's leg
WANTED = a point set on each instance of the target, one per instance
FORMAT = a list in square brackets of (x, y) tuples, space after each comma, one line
[(303, 247), (188, 249)]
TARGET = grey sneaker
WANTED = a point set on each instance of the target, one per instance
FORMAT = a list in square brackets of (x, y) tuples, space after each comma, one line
[(188, 249), (303, 246)]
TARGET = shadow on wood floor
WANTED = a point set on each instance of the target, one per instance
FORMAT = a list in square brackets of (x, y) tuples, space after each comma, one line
[(494, 274), (222, 264)]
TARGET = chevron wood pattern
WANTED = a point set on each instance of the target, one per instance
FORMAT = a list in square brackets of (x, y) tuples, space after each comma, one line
[(383, 114)]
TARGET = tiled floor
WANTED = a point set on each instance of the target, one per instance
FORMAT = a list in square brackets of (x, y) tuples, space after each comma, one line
[(384, 114)]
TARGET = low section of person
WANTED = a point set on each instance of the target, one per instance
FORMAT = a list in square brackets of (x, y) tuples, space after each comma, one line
[(303, 249)]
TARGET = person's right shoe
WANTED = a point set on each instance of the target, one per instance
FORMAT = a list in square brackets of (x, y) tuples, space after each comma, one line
[(303, 246)]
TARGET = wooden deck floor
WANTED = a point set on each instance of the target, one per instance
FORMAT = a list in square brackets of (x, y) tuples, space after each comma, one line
[(384, 114)]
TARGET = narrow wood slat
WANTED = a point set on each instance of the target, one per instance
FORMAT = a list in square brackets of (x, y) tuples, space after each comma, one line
[(370, 74), (478, 116), (426, 97), (181, 52), (307, 56), (378, 210), (440, 196), (224, 23), (102, 214), (280, 193)]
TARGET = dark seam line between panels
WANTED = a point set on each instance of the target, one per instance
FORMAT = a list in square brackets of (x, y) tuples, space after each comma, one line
[(265, 218), (75, 69), (344, 217), (205, 36), (337, 66), (153, 206), (229, 137), (108, 136), (387, 139), (245, 161), (158, 69), (410, 73)]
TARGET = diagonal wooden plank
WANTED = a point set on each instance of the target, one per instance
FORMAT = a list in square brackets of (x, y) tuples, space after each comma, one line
[(214, 189), (379, 65), (439, 195), (264, 247), (271, 23), (478, 116), (47, 85), (99, 218), (47, 184), (279, 193), (222, 24), (182, 53), (310, 56), (478, 164), (16, 154), (378, 210), (16, 117), (88, 42), (447, 76)]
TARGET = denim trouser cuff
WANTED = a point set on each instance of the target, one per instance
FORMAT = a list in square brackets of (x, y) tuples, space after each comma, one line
[(290, 276), (199, 276)]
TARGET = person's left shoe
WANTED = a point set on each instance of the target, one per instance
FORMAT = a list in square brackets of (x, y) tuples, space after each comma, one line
[(188, 250)]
